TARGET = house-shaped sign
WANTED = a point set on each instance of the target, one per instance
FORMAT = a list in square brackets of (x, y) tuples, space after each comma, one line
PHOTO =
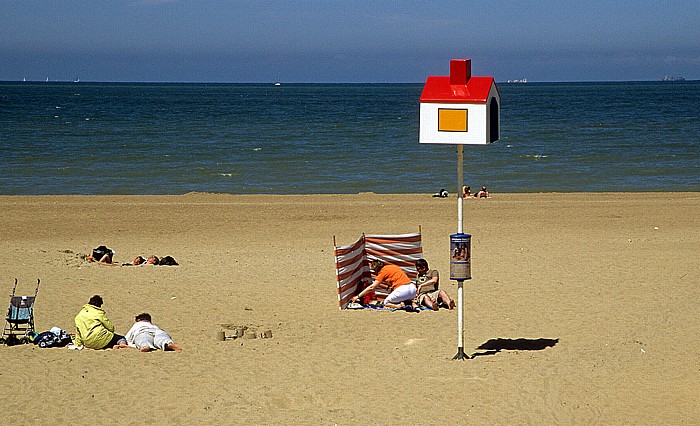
[(460, 108)]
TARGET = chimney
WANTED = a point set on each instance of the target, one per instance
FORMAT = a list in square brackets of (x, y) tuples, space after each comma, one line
[(460, 71)]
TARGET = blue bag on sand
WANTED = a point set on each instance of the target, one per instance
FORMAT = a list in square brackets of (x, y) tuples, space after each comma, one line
[(49, 339)]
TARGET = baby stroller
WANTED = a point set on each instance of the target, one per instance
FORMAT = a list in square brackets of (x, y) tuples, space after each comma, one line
[(19, 322)]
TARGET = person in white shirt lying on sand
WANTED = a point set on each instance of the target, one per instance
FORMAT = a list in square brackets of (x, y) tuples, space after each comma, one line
[(146, 336)]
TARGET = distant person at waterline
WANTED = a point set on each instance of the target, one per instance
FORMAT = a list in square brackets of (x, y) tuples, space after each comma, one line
[(483, 193), (466, 192), (441, 193)]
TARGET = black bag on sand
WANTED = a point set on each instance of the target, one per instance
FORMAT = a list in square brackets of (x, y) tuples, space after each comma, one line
[(167, 261)]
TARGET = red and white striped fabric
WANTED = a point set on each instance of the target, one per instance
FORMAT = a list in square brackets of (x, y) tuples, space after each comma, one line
[(352, 261)]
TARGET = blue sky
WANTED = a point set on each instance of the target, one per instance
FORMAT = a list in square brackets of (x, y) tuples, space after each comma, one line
[(347, 41)]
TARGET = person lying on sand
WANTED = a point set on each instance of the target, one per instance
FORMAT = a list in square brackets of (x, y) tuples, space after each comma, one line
[(146, 336), (441, 193), (138, 260), (152, 260), (102, 255)]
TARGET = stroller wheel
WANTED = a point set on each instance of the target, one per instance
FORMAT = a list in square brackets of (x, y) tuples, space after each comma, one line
[(23, 340)]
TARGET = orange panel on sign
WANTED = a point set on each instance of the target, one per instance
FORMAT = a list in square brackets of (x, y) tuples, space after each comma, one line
[(452, 120)]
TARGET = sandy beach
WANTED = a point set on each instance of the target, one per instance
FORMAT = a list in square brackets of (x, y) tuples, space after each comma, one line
[(611, 279)]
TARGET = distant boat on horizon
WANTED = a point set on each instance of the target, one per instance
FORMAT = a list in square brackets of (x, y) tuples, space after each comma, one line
[(670, 78), (77, 80), (518, 80)]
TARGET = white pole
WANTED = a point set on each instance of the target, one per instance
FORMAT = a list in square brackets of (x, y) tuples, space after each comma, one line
[(460, 184), (460, 318), (460, 229)]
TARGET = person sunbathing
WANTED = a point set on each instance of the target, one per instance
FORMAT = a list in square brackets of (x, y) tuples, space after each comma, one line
[(138, 260), (466, 192), (102, 255), (483, 193), (153, 261), (146, 336), (441, 193)]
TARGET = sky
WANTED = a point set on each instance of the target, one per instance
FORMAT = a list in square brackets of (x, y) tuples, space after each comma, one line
[(329, 41)]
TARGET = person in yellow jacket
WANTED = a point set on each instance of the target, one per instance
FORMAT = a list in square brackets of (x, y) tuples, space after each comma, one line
[(94, 329)]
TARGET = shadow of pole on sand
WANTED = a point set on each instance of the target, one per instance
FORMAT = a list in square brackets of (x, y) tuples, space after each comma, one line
[(494, 346)]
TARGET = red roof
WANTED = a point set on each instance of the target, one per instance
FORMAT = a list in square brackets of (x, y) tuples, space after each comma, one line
[(439, 89)]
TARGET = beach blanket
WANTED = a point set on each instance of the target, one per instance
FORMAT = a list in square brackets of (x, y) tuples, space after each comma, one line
[(352, 261)]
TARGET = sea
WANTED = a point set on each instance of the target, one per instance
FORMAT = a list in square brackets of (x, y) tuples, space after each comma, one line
[(151, 138)]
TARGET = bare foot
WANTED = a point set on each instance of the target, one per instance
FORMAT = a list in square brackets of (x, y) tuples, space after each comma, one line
[(451, 305), (435, 306), (172, 347), (146, 349)]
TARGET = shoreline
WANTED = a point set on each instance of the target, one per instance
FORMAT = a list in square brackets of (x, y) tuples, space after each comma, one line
[(451, 194), (609, 280)]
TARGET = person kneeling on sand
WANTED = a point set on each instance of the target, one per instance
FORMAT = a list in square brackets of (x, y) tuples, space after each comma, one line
[(402, 288), (427, 284), (94, 330), (146, 336)]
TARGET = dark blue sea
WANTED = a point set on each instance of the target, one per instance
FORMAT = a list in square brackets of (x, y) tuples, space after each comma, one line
[(120, 138)]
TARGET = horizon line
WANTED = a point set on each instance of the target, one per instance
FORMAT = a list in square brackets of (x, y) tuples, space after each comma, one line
[(661, 80)]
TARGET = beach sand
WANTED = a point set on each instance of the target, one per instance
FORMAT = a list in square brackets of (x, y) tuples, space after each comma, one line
[(611, 280)]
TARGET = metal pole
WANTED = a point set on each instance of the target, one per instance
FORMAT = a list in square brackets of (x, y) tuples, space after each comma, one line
[(460, 228)]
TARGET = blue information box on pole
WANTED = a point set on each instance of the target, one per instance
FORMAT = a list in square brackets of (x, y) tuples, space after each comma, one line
[(460, 257)]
